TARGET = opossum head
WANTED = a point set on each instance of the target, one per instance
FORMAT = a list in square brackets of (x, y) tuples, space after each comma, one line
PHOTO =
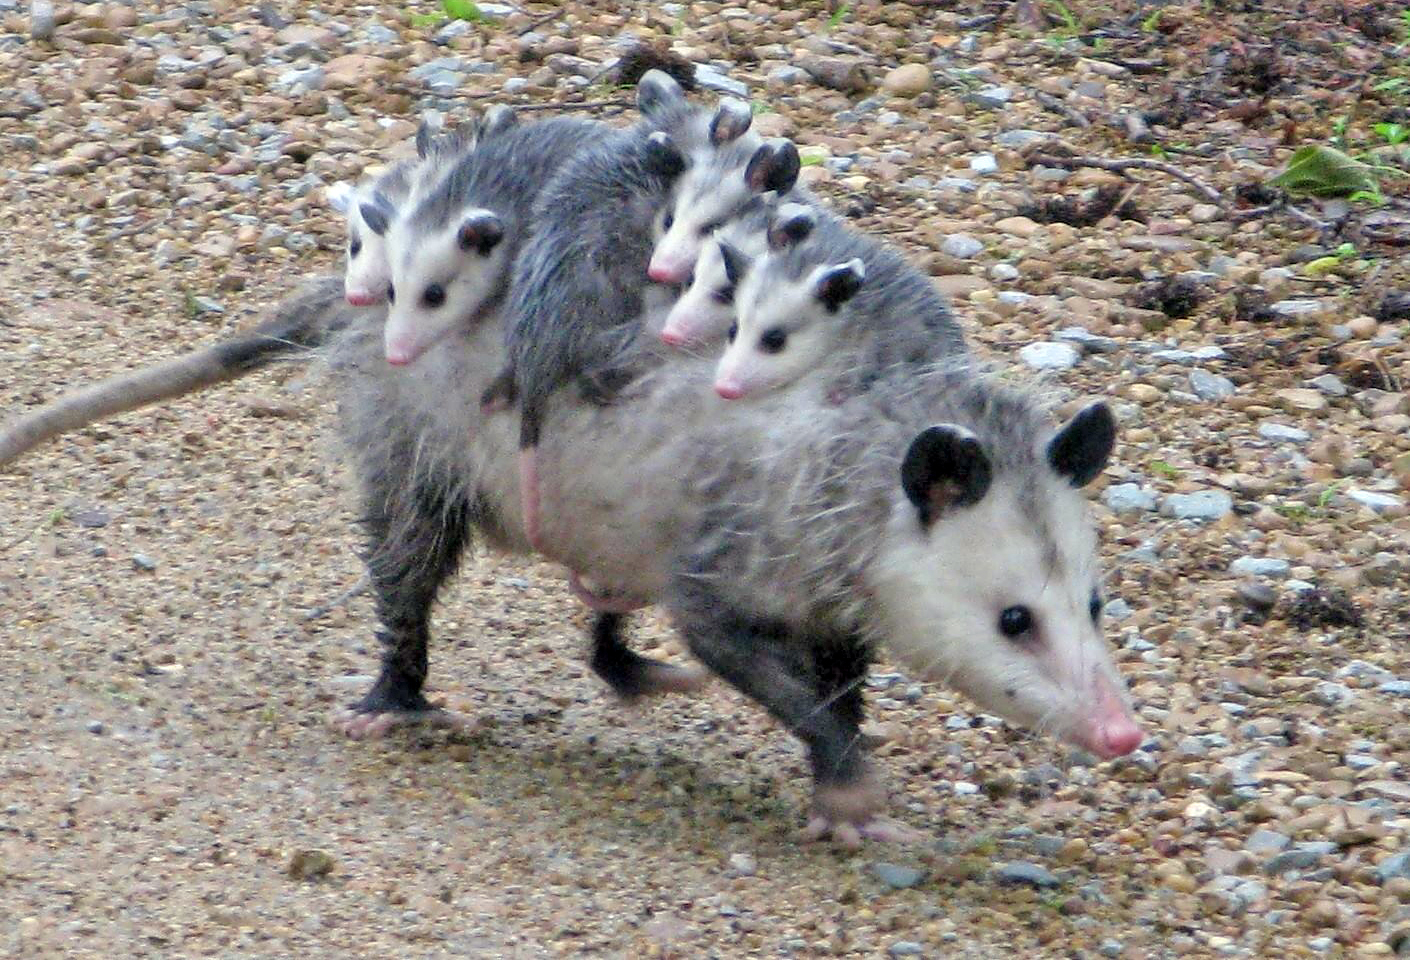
[(441, 280), (369, 215), (783, 330), (717, 188), (705, 308), (987, 577)]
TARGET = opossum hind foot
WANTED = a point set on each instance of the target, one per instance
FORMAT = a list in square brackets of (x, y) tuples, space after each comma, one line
[(628, 673), (357, 725)]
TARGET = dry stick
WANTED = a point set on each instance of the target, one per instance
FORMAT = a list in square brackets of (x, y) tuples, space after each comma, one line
[(540, 21), (584, 105), (1121, 166), (322, 610), (1052, 103)]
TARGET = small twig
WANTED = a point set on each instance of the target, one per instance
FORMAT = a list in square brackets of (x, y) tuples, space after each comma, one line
[(584, 105), (321, 611), (540, 21), (1121, 166), (1053, 104), (132, 228)]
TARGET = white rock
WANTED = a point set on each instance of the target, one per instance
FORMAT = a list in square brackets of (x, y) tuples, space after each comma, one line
[(1049, 356)]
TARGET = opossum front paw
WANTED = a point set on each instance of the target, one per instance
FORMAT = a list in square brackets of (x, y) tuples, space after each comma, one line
[(357, 725), (849, 814)]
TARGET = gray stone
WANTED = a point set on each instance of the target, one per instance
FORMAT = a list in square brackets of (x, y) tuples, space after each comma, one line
[(204, 305), (1110, 948), (1330, 384), (1201, 505), (1029, 873), (1191, 747), (94, 727), (1002, 272), (143, 562), (514, 84), (300, 80), (959, 184), (990, 98), (742, 865), (1330, 694), (1303, 308), (1128, 498), (906, 948), (718, 82), (1396, 688), (1049, 356), (1375, 501), (1210, 386), (1259, 596), (1282, 433), (1394, 866), (1260, 567), (1018, 139), (1364, 761), (1117, 610), (1361, 670), (1302, 857), (1183, 357), (1267, 841), (1086, 341), (787, 76), (897, 877), (376, 33), (961, 246)]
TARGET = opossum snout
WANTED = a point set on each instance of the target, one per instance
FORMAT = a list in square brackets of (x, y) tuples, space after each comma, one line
[(362, 298), (667, 272), (729, 389), (672, 337), (1110, 730)]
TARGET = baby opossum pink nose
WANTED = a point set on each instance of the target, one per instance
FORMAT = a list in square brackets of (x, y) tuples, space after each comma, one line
[(1119, 737), (666, 272), (729, 389), (360, 298), (672, 337)]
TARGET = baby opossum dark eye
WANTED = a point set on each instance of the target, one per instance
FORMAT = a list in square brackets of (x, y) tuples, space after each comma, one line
[(1014, 622), (733, 331), (354, 248), (668, 220), (391, 294), (711, 227), (1094, 606), (773, 341), (434, 296), (724, 295)]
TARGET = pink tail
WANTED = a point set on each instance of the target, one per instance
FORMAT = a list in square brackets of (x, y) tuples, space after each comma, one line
[(529, 495)]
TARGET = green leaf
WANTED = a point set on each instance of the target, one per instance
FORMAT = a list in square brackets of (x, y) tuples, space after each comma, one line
[(1315, 268), (426, 19), (462, 10), (1393, 133), (838, 15), (1324, 171)]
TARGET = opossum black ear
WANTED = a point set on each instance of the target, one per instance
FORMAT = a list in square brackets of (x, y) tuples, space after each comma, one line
[(480, 231), (792, 226), (1081, 449), (834, 286), (944, 468), (663, 157), (736, 263), (496, 120), (774, 166), (731, 121), (376, 213), (425, 139), (657, 91)]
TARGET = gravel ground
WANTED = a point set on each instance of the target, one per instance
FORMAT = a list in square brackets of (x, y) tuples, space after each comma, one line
[(169, 785)]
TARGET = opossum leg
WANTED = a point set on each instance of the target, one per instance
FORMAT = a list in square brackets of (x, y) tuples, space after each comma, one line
[(529, 495), (409, 557), (810, 685), (630, 674), (500, 394)]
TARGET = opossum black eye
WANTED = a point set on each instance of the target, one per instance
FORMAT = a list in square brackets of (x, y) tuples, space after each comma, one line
[(773, 341), (668, 220), (724, 295), (355, 247), (711, 227), (434, 296), (1014, 622), (1094, 606), (733, 331), (391, 294)]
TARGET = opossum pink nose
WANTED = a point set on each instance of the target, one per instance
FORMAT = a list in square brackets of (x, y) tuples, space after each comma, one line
[(666, 272), (672, 336), (360, 298), (399, 356), (1119, 737), (729, 389)]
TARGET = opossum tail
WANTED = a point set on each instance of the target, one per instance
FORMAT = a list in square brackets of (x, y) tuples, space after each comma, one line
[(301, 322)]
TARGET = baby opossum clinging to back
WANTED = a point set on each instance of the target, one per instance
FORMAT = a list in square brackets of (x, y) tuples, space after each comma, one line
[(831, 305), (371, 208)]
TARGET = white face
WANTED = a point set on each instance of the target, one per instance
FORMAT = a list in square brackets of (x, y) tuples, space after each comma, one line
[(701, 203), (367, 274), (947, 592), (438, 284), (781, 332), (705, 309)]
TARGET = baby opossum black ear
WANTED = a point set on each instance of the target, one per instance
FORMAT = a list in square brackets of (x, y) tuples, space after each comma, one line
[(377, 213), (736, 263), (656, 92), (944, 468), (425, 139), (480, 231), (791, 226), (495, 121), (774, 166), (663, 157), (730, 122), (339, 197), (1081, 449), (835, 285)]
